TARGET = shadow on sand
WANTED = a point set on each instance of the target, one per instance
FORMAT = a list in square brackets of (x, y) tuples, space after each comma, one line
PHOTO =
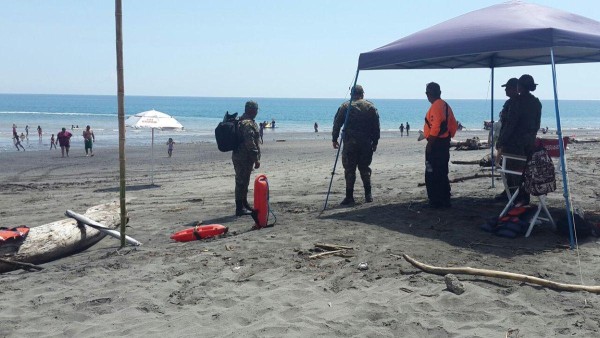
[(457, 226)]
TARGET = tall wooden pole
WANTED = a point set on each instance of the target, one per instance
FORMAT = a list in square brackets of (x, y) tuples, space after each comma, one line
[(121, 114)]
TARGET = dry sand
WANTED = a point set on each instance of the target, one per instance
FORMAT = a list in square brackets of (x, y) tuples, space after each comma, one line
[(262, 283)]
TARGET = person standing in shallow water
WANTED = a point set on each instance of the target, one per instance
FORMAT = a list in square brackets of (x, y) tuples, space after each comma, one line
[(407, 128), (246, 157), (64, 140), (88, 139), (361, 135), (401, 129)]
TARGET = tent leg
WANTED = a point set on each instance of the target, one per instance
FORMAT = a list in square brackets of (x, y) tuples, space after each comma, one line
[(341, 139), (152, 156), (492, 131), (563, 162)]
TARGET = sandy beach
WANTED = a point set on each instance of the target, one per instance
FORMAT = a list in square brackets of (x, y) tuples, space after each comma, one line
[(262, 283)]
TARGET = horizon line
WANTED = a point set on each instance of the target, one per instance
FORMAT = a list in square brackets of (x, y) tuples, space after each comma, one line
[(276, 97)]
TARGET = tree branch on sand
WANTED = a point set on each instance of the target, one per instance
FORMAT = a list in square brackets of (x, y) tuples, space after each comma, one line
[(460, 179), (500, 274)]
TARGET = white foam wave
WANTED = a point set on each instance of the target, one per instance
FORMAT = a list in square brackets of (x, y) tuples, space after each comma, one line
[(49, 113)]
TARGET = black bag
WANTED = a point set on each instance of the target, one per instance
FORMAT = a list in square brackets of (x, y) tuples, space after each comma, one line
[(538, 177), (227, 134)]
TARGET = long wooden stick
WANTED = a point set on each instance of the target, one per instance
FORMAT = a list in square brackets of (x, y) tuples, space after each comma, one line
[(22, 265), (466, 162), (326, 253), (328, 246), (460, 179), (501, 274)]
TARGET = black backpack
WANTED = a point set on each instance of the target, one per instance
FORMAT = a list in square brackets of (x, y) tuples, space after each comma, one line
[(227, 134)]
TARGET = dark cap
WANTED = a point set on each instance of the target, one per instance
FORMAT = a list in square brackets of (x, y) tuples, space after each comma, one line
[(251, 105), (64, 129), (512, 82), (358, 90), (526, 81)]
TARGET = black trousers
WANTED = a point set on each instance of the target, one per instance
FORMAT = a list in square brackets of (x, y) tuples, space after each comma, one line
[(436, 175)]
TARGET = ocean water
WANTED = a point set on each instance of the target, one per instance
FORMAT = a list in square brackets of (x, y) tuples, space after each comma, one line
[(200, 115)]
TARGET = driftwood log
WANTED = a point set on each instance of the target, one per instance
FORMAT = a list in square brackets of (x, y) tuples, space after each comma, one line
[(501, 274), (58, 239)]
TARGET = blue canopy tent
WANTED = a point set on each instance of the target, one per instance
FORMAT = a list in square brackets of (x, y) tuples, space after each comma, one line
[(504, 35)]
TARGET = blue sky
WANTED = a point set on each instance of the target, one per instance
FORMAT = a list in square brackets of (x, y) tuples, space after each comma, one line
[(259, 48)]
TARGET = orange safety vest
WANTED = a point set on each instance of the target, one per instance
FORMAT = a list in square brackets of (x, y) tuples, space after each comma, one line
[(434, 118)]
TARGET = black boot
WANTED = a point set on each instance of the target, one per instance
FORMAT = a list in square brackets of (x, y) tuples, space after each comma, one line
[(368, 196), (349, 200), (240, 210)]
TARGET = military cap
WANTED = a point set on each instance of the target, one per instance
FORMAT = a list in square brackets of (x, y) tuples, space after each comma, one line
[(512, 82)]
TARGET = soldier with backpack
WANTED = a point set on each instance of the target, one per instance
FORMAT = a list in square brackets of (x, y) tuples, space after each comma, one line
[(245, 157)]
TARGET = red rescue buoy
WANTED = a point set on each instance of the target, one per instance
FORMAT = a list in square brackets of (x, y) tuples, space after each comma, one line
[(16, 233), (199, 232), (261, 200)]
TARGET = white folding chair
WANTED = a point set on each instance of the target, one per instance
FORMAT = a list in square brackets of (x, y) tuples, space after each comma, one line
[(536, 219)]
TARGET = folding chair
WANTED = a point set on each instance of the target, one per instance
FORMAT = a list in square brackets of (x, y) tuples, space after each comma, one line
[(552, 147)]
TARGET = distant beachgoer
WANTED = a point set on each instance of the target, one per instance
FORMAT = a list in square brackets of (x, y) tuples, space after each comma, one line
[(261, 131), (27, 132), (23, 136), (316, 127), (64, 139), (401, 129), (170, 143), (407, 128), (273, 123), (88, 140), (39, 129), (52, 142), (18, 144), (15, 135), (72, 126)]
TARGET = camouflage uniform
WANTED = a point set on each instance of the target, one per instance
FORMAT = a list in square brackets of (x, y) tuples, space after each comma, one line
[(361, 134), (518, 133), (244, 157)]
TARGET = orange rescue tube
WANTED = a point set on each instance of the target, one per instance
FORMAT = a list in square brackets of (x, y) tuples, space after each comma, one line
[(261, 200), (13, 233), (199, 232)]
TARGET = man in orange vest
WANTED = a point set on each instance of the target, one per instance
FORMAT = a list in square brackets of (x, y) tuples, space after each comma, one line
[(440, 126)]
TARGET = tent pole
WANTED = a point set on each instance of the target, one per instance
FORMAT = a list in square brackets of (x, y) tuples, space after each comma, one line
[(152, 155), (492, 131), (563, 162), (341, 138)]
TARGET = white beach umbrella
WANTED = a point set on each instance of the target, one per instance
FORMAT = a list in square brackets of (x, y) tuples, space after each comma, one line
[(154, 120)]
